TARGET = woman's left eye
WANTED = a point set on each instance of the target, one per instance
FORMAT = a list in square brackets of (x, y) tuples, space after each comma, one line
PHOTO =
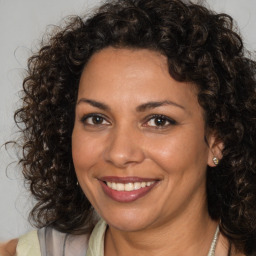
[(159, 121)]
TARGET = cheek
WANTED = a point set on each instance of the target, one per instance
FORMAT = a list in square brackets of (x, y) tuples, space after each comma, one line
[(85, 151), (85, 156), (180, 151)]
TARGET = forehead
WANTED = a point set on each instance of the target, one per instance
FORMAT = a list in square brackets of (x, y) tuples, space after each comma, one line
[(130, 75), (131, 62)]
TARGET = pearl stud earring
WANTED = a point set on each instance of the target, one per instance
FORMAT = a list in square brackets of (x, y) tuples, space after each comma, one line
[(215, 160)]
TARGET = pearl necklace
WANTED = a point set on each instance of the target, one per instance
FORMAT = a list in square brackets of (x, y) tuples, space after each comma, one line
[(214, 243)]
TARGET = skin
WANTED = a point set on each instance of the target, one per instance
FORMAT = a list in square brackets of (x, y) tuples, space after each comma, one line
[(172, 219), (8, 248)]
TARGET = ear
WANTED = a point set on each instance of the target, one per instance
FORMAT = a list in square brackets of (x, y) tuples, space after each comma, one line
[(215, 150)]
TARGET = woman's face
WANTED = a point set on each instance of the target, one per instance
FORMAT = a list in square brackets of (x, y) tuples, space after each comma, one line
[(138, 141)]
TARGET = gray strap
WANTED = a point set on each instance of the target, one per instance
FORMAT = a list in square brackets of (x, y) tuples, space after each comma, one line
[(55, 243)]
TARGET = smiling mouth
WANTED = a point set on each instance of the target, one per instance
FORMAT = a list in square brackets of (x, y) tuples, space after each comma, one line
[(131, 186), (126, 189)]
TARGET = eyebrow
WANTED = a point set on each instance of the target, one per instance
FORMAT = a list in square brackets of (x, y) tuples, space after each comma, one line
[(94, 104), (140, 108), (155, 104)]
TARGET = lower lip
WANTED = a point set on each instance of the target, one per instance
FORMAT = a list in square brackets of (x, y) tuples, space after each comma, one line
[(126, 196)]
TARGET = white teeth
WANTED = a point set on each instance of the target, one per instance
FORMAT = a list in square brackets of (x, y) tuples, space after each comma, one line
[(129, 186), (137, 185), (113, 185), (119, 186)]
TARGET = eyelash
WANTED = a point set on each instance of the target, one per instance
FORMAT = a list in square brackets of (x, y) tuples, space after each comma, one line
[(163, 118), (85, 119)]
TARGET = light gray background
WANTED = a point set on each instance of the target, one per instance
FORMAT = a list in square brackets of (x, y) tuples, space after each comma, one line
[(22, 24)]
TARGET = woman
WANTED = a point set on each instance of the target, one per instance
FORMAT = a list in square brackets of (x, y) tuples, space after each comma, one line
[(141, 118)]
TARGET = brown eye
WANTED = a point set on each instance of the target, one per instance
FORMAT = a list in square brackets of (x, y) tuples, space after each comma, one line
[(97, 120), (94, 119), (159, 121)]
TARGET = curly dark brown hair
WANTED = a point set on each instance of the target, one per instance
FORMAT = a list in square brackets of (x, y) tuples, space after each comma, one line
[(202, 47)]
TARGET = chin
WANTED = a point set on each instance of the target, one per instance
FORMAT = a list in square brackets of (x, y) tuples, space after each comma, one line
[(128, 226), (128, 222)]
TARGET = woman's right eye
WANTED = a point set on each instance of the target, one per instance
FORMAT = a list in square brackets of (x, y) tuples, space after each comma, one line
[(94, 119)]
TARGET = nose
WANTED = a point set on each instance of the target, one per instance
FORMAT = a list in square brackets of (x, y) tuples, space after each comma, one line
[(124, 148)]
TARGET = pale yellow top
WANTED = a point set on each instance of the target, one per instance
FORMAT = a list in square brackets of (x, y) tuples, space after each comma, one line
[(96, 241), (28, 244)]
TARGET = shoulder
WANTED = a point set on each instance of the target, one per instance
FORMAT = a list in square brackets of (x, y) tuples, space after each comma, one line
[(28, 245), (46, 241), (8, 248), (62, 243)]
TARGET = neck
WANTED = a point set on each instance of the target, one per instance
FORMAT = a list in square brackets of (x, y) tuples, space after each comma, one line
[(185, 235)]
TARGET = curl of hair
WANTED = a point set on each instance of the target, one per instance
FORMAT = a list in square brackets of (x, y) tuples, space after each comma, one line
[(202, 47)]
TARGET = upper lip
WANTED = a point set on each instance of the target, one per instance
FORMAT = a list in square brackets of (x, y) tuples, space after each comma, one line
[(128, 179)]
